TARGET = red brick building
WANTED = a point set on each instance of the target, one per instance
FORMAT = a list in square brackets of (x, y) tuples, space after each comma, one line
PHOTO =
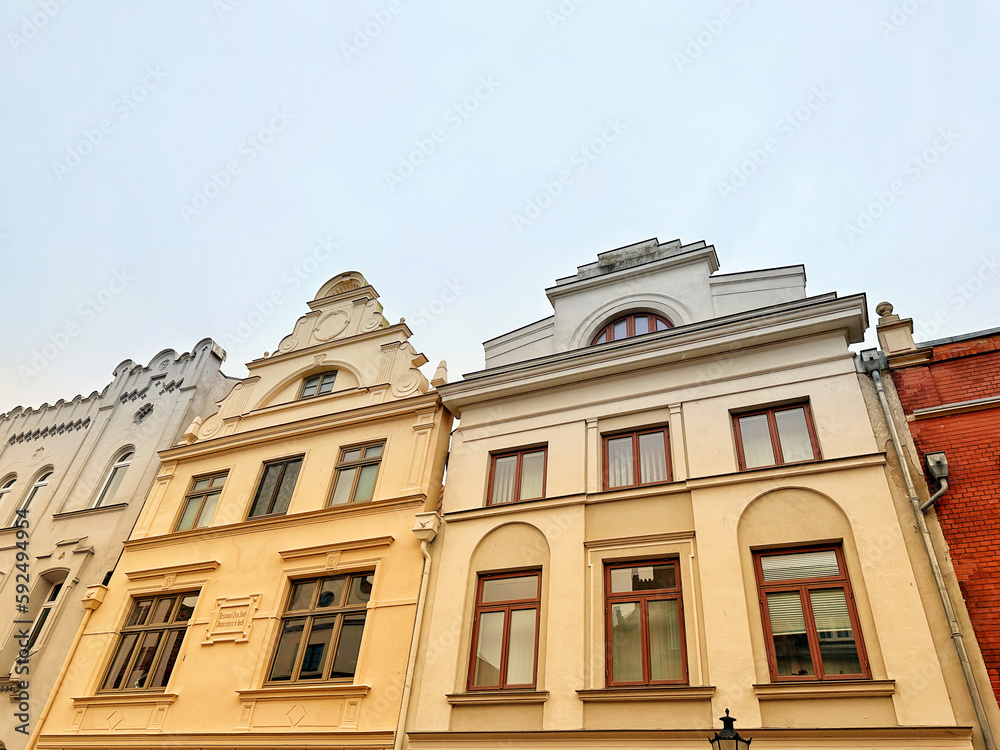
[(949, 390)]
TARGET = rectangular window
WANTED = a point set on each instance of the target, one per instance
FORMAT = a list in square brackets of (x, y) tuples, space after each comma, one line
[(636, 458), (357, 471), (505, 631), (276, 486), (645, 624), (149, 642), (200, 502), (775, 436), (321, 629), (318, 385), (517, 475), (810, 622)]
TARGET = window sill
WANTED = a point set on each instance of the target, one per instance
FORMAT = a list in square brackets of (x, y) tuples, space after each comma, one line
[(497, 697), (642, 693), (825, 689), (89, 511), (110, 699), (328, 690)]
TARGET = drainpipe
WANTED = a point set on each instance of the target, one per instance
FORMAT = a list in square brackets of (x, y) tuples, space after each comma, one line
[(871, 364), (91, 601), (426, 528)]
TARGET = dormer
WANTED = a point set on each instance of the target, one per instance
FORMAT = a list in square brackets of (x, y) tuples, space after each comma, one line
[(641, 289)]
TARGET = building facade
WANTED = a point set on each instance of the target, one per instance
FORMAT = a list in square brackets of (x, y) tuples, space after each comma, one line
[(268, 594), (948, 394), (665, 501), (72, 479)]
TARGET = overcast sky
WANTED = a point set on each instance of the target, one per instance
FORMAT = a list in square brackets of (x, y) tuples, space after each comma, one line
[(179, 169)]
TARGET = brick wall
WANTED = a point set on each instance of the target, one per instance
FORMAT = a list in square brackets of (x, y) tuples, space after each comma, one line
[(969, 513)]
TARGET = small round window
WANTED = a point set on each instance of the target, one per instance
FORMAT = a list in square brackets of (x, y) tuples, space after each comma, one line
[(633, 324)]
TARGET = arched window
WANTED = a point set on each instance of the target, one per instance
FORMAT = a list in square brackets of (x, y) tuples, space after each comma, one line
[(114, 480), (318, 385), (633, 324), (49, 588), (6, 485), (43, 479)]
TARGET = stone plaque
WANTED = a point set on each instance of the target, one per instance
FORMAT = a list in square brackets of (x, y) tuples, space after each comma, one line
[(232, 619)]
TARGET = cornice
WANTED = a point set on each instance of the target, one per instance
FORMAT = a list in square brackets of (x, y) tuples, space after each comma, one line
[(777, 324), (959, 407), (301, 427), (320, 739), (253, 525), (198, 567), (307, 352)]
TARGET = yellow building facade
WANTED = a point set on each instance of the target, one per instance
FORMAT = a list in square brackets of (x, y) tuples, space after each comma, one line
[(268, 593), (667, 501)]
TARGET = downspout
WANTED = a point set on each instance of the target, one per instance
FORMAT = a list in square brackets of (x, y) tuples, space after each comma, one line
[(91, 601), (956, 631), (936, 496), (426, 528)]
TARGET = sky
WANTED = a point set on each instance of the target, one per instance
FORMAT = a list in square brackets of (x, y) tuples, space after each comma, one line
[(172, 170)]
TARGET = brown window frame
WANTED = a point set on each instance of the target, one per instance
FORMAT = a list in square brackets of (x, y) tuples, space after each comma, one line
[(358, 463), (506, 606), (643, 597), (340, 610), (803, 586), (636, 465), (200, 496), (772, 426), (520, 453), (140, 631), (320, 381), (285, 463), (608, 329)]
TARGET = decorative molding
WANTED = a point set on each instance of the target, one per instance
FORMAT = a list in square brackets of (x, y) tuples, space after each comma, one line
[(497, 698), (659, 693), (829, 689), (640, 541), (285, 692), (958, 407), (88, 511), (172, 570), (327, 549)]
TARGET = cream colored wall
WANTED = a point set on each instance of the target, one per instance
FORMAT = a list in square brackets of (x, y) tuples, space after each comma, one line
[(708, 522)]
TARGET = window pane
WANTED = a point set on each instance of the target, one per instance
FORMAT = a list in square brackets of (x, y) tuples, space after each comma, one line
[(373, 451), (287, 486), (837, 649), (361, 589), (626, 642), (510, 589), (620, 330), (641, 324), (352, 455), (665, 662), (266, 490), (190, 513), (330, 593), (820, 564), (327, 384), (504, 473), (521, 652), (643, 578), (788, 629), (219, 481), (309, 389), (207, 509), (345, 661), (620, 462), (36, 629), (488, 648), (315, 650), (114, 481), (200, 484), (161, 612), (652, 458), (186, 608), (288, 646), (167, 659), (144, 660), (342, 489), (756, 440), (661, 326), (602, 338), (117, 672), (302, 595), (532, 470), (793, 434), (366, 483), (138, 616)]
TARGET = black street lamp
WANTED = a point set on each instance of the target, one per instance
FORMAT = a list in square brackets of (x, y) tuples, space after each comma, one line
[(728, 738)]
